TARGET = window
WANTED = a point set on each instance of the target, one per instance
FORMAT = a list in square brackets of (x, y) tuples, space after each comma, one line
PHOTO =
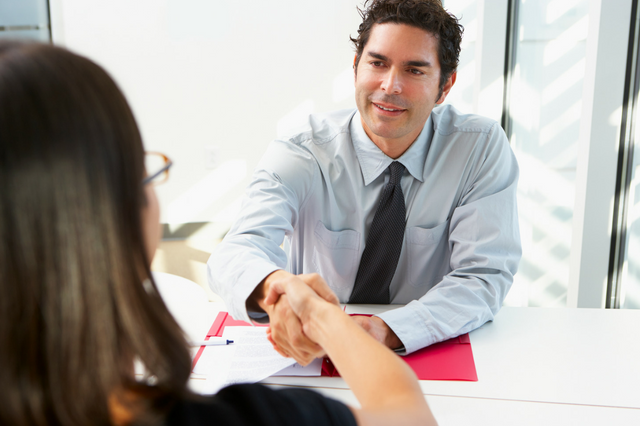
[(543, 126), (25, 19)]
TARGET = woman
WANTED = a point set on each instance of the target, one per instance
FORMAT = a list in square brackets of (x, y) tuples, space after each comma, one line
[(78, 229)]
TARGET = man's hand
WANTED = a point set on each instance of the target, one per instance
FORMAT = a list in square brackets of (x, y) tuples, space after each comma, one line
[(285, 330), (309, 297), (286, 335), (379, 330)]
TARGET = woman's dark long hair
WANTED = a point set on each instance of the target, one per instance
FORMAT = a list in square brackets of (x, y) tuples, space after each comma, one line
[(74, 314)]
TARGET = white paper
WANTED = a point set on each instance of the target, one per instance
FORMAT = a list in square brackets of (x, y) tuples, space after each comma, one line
[(249, 359), (313, 369)]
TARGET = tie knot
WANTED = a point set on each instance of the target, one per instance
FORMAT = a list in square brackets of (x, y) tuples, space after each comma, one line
[(396, 169)]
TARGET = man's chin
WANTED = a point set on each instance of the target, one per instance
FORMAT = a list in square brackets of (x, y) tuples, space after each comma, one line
[(386, 131)]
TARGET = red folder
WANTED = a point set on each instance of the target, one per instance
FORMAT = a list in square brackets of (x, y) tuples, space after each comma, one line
[(448, 360), (222, 320)]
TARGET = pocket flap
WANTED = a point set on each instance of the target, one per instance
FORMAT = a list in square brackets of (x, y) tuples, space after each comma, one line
[(423, 236), (345, 239)]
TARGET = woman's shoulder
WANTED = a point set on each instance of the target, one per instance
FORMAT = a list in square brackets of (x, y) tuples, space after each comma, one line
[(259, 405)]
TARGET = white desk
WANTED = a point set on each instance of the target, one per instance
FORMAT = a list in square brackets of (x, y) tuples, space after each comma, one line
[(461, 411), (567, 356), (535, 366)]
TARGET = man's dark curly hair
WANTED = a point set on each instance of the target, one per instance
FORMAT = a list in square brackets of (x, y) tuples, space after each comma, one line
[(428, 15)]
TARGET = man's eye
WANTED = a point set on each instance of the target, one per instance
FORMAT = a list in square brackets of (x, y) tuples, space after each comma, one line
[(415, 71), (377, 63)]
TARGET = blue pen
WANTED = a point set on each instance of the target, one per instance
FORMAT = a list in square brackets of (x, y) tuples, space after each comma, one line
[(213, 341)]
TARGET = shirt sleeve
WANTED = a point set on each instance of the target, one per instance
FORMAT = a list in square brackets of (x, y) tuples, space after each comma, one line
[(251, 249), (485, 247)]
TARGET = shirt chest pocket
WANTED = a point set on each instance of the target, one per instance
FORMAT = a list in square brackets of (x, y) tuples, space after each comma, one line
[(428, 253), (335, 258)]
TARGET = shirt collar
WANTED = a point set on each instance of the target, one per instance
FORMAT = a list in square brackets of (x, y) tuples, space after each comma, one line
[(373, 161)]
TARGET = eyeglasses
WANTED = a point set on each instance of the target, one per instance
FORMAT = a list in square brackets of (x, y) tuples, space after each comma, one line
[(157, 168)]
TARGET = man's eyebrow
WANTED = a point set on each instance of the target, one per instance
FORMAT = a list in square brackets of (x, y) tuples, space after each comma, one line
[(418, 63), (378, 56), (408, 63)]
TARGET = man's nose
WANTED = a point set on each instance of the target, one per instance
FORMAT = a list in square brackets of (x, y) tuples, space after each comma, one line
[(392, 82)]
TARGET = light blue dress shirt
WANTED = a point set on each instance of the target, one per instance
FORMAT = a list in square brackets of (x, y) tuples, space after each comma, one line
[(317, 193)]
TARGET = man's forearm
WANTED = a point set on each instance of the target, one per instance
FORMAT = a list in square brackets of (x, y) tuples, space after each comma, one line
[(253, 301)]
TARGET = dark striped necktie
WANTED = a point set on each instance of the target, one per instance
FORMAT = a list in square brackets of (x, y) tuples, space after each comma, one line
[(384, 243)]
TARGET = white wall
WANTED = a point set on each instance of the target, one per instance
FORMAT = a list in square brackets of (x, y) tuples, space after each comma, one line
[(211, 81)]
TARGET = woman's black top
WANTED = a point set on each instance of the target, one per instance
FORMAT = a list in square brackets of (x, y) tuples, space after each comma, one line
[(240, 405)]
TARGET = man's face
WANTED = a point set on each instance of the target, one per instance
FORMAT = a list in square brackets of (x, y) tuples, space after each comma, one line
[(397, 84)]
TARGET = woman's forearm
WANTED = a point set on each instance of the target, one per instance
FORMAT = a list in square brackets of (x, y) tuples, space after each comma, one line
[(384, 384), (386, 387)]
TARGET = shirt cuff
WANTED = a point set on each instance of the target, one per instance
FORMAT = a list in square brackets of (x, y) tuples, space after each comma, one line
[(247, 283), (412, 325), (259, 317)]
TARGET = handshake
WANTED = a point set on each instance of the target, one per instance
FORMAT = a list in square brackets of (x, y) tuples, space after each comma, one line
[(300, 309), (307, 322)]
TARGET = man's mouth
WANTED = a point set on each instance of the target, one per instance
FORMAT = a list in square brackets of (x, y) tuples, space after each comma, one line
[(390, 109)]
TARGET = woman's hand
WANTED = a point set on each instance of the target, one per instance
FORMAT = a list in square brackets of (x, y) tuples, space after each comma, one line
[(290, 300), (308, 296)]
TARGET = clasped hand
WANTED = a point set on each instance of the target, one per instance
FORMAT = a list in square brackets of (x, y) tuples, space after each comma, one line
[(290, 300)]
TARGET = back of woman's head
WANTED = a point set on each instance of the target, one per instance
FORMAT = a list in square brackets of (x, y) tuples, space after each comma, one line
[(73, 311)]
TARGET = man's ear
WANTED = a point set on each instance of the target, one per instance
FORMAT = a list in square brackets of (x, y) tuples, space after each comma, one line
[(355, 70), (447, 87)]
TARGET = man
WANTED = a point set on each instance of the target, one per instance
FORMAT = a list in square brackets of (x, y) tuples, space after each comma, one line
[(396, 202)]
